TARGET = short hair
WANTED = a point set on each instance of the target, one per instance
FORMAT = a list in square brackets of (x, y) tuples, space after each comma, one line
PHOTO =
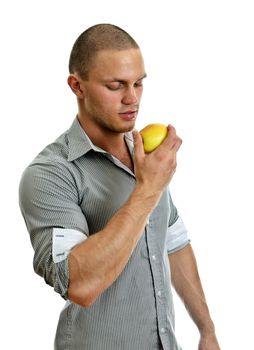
[(96, 38)]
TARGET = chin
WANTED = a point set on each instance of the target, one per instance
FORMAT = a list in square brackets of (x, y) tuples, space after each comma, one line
[(128, 127)]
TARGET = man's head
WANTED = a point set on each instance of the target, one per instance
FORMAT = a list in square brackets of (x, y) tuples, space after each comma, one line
[(94, 39), (106, 74)]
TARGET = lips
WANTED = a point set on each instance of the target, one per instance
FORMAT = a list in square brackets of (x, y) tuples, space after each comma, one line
[(129, 112), (129, 115)]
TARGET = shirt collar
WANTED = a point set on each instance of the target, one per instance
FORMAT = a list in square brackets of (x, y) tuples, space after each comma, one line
[(80, 143)]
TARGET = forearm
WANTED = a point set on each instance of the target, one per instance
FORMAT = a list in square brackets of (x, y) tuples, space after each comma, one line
[(186, 281), (96, 263)]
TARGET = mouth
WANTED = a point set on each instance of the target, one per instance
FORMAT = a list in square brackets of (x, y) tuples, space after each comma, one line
[(129, 115)]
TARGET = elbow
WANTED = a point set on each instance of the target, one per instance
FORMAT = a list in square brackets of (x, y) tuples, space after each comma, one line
[(84, 288), (81, 297)]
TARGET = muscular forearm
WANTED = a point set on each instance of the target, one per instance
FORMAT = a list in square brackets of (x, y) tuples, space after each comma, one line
[(96, 263), (186, 281)]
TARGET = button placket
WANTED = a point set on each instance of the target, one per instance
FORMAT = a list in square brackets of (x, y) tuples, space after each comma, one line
[(158, 283)]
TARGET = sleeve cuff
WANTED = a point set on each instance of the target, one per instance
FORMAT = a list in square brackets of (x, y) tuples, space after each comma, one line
[(177, 236), (63, 241), (62, 278)]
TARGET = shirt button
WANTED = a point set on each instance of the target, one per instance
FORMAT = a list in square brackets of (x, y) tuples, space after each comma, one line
[(163, 330), (154, 257), (159, 293)]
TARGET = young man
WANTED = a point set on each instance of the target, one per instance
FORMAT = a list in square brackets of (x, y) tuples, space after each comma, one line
[(105, 231)]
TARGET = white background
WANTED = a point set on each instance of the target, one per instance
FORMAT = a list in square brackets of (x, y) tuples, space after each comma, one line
[(199, 59)]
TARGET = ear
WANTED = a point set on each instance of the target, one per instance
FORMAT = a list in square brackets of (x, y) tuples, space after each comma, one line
[(76, 85)]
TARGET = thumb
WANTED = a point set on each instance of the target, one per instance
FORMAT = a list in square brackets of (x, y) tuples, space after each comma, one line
[(138, 144)]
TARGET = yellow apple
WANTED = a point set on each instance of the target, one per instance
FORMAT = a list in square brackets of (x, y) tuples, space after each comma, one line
[(153, 135)]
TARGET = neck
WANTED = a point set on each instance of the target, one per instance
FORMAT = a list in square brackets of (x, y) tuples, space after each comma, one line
[(111, 142)]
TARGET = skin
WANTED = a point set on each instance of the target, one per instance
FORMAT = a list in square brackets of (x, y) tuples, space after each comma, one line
[(113, 88)]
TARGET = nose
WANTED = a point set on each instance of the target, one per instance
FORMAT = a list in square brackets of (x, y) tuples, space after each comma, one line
[(130, 96)]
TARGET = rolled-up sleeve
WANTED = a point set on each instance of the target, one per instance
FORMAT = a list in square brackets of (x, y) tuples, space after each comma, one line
[(177, 234), (50, 206)]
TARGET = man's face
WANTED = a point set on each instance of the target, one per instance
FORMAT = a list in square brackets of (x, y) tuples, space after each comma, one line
[(113, 90)]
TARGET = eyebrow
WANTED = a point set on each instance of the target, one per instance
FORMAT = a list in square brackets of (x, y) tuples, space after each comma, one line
[(124, 81)]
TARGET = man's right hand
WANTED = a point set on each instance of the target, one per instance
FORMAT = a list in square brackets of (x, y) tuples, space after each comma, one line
[(155, 170)]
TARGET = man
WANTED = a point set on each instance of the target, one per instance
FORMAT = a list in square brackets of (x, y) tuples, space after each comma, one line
[(102, 223)]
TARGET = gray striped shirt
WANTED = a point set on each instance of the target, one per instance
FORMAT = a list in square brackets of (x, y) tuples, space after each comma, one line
[(69, 192)]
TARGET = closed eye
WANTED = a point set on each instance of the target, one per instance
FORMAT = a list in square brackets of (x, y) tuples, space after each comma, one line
[(138, 83), (114, 86), (118, 84)]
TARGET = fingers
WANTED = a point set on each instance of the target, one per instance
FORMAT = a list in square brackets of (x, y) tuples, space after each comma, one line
[(172, 141), (158, 166), (138, 145)]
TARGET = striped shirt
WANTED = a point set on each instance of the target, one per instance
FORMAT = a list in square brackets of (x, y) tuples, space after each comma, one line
[(69, 192)]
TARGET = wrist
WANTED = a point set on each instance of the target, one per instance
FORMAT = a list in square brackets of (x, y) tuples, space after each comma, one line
[(207, 330), (144, 194)]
